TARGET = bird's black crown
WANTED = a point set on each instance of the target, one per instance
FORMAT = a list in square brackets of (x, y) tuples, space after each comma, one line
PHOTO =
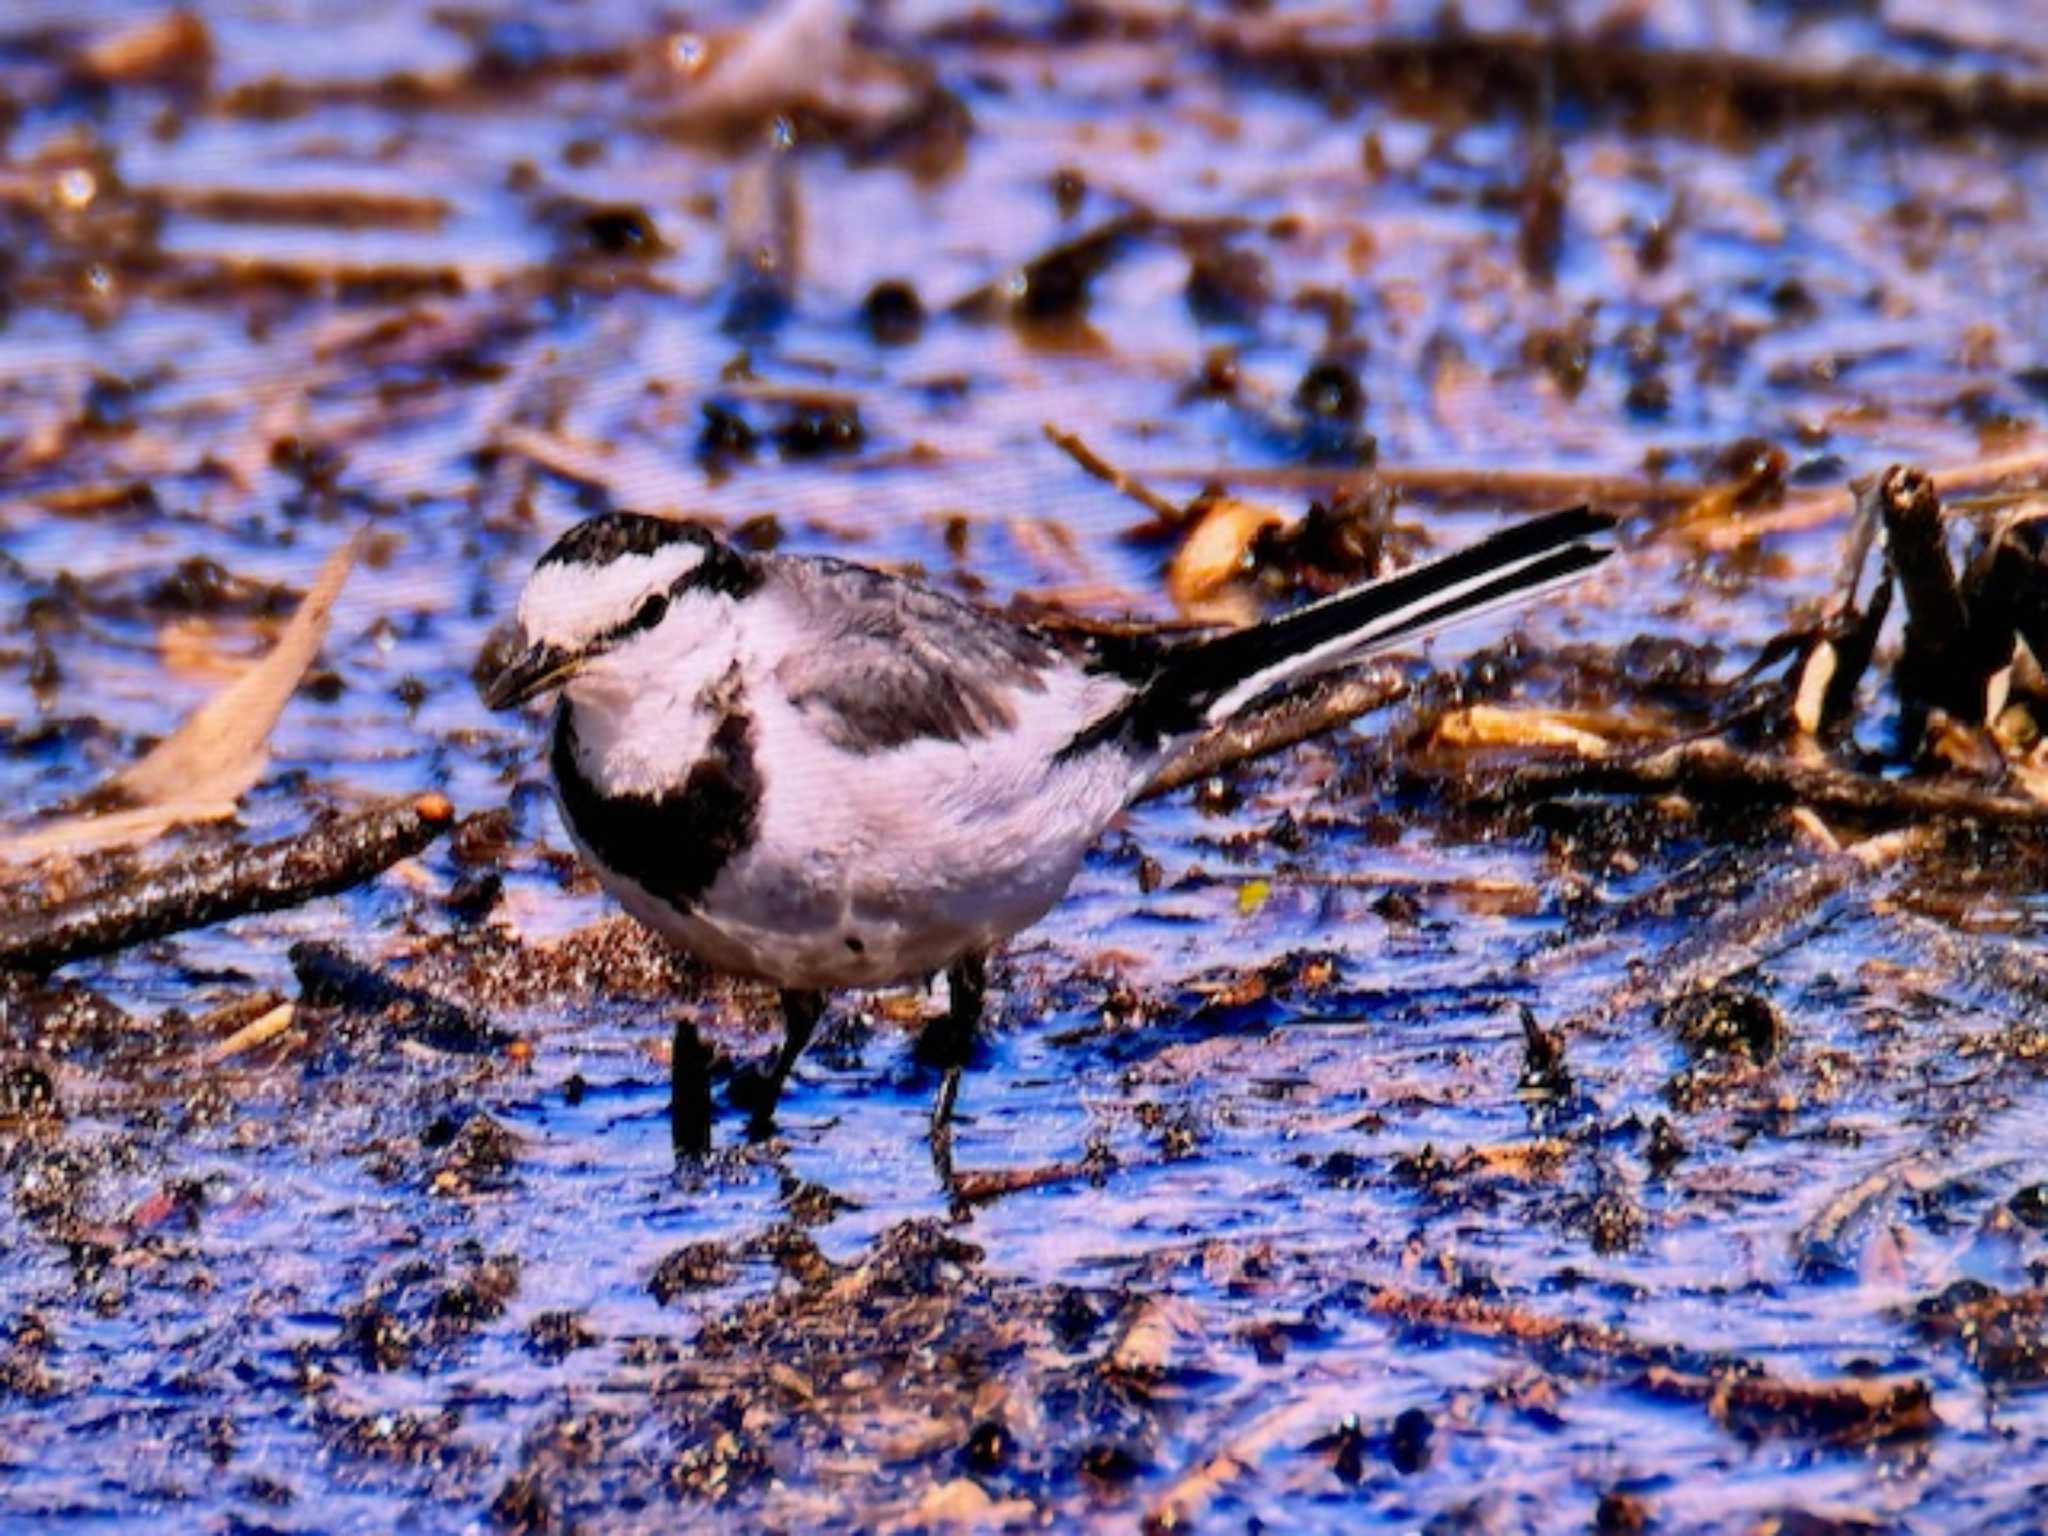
[(598, 541)]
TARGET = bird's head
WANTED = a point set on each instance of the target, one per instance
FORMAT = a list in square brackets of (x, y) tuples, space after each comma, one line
[(605, 583)]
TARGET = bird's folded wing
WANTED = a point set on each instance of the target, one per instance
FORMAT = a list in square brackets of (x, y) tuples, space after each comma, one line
[(885, 663)]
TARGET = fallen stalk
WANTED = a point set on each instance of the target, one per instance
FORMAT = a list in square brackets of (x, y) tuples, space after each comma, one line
[(1292, 719), (1713, 769), (1731, 1389), (215, 887)]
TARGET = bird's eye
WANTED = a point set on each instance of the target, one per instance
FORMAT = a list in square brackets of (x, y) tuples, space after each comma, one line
[(651, 611)]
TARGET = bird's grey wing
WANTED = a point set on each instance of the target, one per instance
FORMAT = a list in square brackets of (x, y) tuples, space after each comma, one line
[(887, 662)]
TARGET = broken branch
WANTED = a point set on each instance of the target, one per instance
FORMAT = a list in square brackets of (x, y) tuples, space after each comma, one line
[(266, 878)]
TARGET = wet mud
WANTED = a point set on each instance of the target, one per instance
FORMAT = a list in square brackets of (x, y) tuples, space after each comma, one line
[(1591, 1076)]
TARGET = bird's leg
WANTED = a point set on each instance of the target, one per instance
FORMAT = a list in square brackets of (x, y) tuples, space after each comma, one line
[(946, 1044), (756, 1091), (689, 1092)]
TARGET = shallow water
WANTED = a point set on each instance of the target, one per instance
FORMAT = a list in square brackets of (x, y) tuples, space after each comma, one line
[(233, 1298)]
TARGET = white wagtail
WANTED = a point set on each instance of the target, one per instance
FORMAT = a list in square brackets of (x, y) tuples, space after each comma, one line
[(822, 776)]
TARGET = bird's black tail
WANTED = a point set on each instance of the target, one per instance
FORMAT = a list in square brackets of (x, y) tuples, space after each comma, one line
[(1208, 680)]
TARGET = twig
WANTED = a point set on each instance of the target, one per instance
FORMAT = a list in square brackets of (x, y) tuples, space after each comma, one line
[(1809, 510), (1169, 512), (266, 1027), (979, 1186), (1735, 941), (1453, 483), (1188, 1497), (213, 888), (1683, 90), (1328, 702), (1729, 1387), (1711, 768), (1819, 1246)]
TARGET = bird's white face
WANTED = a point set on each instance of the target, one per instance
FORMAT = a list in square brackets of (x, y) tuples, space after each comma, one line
[(574, 607), (604, 588)]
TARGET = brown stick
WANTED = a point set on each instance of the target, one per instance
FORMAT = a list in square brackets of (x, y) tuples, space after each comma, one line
[(1309, 711), (1680, 90), (1730, 1388), (213, 888), (1170, 512), (1712, 769), (1453, 483), (1816, 507)]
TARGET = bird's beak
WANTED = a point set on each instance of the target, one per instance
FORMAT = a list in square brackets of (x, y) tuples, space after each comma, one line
[(531, 673)]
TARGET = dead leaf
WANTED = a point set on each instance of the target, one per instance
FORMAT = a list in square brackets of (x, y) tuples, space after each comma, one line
[(203, 768), (1488, 725), (1202, 577), (964, 1503)]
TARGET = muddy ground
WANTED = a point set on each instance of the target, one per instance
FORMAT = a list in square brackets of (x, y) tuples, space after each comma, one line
[(1460, 1122)]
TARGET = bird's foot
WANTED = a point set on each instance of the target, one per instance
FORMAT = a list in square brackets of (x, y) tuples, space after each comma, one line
[(689, 1092), (943, 1046), (755, 1090)]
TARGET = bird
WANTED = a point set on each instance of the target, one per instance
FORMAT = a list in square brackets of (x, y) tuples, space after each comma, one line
[(824, 776)]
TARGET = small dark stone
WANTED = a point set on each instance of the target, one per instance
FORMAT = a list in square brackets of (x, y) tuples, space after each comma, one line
[(1110, 1461), (1069, 191), (1227, 286), (1615, 1223), (1408, 1442), (381, 1339), (893, 314), (1621, 1514), (1666, 1149), (1397, 909), (1344, 1170), (311, 464), (2030, 1206), (1074, 1319), (1330, 391), (1648, 397), (1726, 1022), (521, 1506), (1219, 375), (26, 1091), (694, 1267), (323, 684), (474, 894), (1793, 300), (988, 1448), (815, 428), (618, 230), (554, 1335), (725, 435), (110, 405)]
